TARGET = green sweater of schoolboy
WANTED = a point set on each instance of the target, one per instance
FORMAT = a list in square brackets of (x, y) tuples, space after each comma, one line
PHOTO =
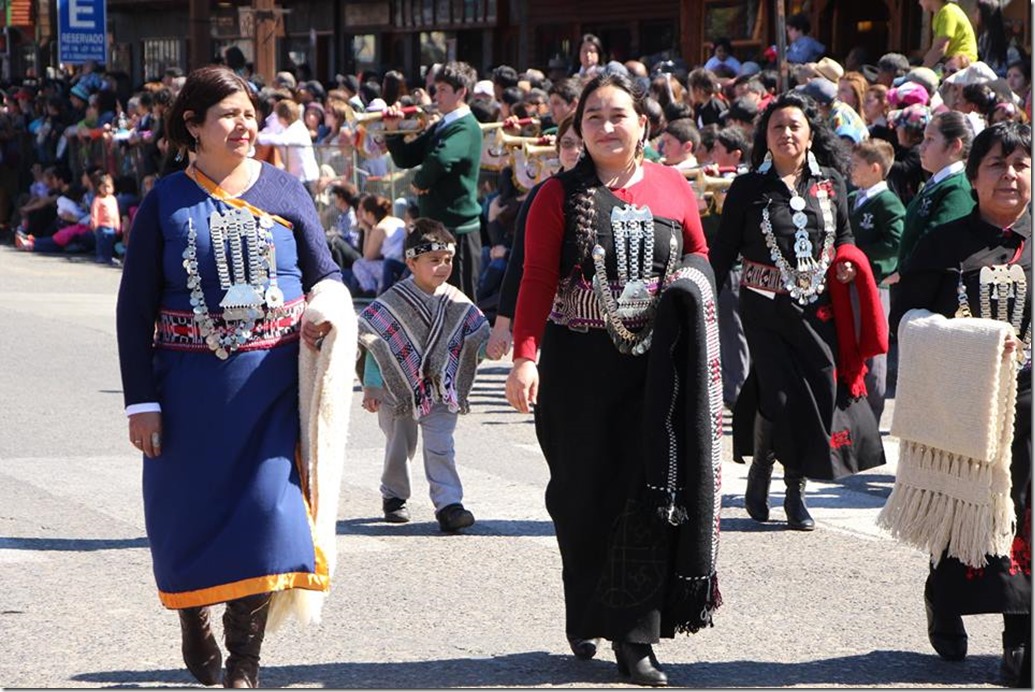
[(449, 155), (946, 197), (877, 216)]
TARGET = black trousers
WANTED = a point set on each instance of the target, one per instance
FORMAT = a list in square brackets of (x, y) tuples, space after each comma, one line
[(467, 264)]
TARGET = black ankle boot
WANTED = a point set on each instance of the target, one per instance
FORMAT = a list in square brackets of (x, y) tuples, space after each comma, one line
[(584, 649), (637, 661), (798, 517), (947, 633), (756, 497), (1015, 669)]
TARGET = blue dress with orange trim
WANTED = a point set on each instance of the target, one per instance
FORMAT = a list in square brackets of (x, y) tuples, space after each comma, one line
[(224, 510)]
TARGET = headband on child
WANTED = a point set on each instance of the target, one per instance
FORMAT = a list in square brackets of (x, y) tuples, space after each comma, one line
[(433, 246)]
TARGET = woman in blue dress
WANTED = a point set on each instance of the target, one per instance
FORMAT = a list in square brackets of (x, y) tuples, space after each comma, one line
[(209, 317)]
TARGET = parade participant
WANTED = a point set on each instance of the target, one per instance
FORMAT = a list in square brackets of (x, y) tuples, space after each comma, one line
[(423, 341), (209, 318), (946, 195), (877, 216), (601, 242), (569, 149), (449, 155), (793, 205), (979, 266)]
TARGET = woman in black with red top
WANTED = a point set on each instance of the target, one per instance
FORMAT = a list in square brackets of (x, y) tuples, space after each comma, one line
[(602, 243), (789, 220)]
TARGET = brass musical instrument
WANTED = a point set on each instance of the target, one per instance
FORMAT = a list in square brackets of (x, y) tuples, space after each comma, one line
[(522, 122), (370, 131), (709, 188), (534, 163), (502, 141)]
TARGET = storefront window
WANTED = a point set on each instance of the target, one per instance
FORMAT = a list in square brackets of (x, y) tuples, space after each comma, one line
[(434, 47), (732, 19), (364, 51)]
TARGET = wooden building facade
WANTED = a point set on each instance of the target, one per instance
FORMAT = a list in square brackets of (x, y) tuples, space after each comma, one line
[(322, 38)]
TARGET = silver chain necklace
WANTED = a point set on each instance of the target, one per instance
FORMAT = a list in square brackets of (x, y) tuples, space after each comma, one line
[(999, 282), (244, 299), (807, 280)]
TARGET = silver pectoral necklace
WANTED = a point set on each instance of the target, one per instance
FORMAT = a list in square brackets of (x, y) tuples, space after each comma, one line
[(999, 283), (249, 277), (631, 226), (807, 279)]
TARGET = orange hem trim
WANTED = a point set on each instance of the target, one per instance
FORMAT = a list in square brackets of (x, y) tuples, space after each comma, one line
[(245, 587)]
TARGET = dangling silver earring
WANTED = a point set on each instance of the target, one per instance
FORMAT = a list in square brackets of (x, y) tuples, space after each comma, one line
[(813, 163), (179, 155), (640, 146), (767, 162)]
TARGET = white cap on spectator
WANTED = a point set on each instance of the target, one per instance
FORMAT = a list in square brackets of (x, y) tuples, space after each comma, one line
[(976, 73), (484, 88), (376, 105)]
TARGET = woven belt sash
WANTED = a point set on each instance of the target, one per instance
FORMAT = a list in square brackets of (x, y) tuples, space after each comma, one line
[(762, 276), (178, 331), (576, 306)]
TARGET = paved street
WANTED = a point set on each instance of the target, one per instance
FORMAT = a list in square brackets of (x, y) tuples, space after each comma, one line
[(841, 606)]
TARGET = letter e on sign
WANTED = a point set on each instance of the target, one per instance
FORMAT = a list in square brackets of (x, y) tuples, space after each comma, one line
[(80, 15)]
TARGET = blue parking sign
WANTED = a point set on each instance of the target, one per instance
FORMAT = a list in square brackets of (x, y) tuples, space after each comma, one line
[(82, 31)]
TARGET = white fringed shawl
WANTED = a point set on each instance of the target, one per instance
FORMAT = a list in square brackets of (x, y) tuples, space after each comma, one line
[(954, 417), (325, 398)]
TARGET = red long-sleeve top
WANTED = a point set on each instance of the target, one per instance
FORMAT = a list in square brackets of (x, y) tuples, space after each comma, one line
[(663, 189)]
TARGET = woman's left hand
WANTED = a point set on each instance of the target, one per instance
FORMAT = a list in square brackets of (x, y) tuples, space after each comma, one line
[(845, 272), (314, 334)]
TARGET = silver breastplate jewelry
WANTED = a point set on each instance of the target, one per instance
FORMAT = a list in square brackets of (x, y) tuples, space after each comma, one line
[(249, 277), (807, 279), (632, 227), (1000, 283)]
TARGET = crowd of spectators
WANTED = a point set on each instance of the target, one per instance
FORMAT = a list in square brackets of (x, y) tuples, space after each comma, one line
[(59, 138)]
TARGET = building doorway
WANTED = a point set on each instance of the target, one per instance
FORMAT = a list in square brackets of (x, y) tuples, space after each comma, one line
[(849, 25)]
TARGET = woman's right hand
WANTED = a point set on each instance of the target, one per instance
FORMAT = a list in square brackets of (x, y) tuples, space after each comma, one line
[(145, 433), (523, 384)]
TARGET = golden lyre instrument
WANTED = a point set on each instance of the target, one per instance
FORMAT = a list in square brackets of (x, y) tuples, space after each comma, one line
[(495, 157), (534, 163)]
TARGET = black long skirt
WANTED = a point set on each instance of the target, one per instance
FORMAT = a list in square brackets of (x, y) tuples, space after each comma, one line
[(588, 421), (820, 431), (1004, 584)]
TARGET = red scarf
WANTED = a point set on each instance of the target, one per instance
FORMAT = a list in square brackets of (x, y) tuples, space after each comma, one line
[(853, 349)]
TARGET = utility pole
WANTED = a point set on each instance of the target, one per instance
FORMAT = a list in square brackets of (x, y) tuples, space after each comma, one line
[(781, 46), (200, 34), (265, 38)]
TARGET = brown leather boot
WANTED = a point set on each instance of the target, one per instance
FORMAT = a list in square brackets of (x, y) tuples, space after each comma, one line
[(200, 650), (244, 626)]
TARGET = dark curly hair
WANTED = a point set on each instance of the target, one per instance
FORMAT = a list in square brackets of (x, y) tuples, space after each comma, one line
[(829, 149), (580, 201), (1010, 135)]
